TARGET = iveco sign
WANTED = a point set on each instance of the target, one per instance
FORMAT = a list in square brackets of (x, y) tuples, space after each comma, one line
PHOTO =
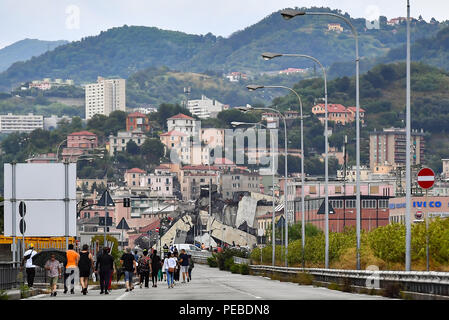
[(418, 204)]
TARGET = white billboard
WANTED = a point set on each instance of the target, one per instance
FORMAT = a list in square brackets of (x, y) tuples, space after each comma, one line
[(42, 187)]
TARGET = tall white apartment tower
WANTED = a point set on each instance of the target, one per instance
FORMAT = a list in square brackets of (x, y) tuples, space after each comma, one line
[(105, 96)]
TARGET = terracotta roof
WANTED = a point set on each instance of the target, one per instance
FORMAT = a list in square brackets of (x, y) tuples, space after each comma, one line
[(163, 167), (353, 109), (135, 170), (333, 107), (181, 116), (82, 133), (136, 115), (173, 133), (153, 225)]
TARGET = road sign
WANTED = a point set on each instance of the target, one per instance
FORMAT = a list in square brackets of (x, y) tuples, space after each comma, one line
[(426, 178), (22, 209), (108, 221), (22, 226), (418, 215), (123, 225), (157, 229), (106, 200)]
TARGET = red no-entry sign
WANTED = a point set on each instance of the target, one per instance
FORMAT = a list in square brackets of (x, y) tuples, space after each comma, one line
[(426, 178)]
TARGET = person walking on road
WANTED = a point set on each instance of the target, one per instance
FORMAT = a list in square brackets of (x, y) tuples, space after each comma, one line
[(71, 269), (191, 266), (30, 268), (184, 263), (155, 267), (169, 266), (144, 266), (129, 265), (85, 266), (105, 266), (53, 268), (177, 268)]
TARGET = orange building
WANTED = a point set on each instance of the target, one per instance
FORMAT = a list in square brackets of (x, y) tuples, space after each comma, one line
[(337, 113), (136, 121)]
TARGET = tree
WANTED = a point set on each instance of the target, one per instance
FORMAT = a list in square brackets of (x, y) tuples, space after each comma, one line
[(152, 150), (132, 148)]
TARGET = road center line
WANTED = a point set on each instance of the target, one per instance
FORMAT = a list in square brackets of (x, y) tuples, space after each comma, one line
[(238, 290)]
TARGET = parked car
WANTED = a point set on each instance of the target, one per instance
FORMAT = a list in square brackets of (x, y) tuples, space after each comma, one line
[(187, 247)]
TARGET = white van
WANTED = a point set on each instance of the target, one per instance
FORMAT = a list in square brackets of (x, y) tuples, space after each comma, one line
[(187, 247)]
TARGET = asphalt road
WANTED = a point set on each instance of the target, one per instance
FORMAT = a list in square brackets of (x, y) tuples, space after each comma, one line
[(212, 284)]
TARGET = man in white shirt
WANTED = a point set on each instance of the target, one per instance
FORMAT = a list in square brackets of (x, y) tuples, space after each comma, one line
[(30, 267)]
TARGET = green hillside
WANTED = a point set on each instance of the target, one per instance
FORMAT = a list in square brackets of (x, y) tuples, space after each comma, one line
[(25, 49), (382, 95), (124, 50)]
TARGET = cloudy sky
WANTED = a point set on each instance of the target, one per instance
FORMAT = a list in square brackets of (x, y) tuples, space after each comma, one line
[(74, 19)]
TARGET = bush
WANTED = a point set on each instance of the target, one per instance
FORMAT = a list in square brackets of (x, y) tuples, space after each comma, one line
[(235, 268), (392, 290), (212, 262), (244, 269), (304, 278), (333, 286), (229, 262)]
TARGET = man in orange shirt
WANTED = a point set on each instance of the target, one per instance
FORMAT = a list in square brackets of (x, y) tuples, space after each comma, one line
[(70, 269)]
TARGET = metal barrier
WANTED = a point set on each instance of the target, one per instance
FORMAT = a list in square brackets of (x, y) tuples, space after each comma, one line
[(200, 257), (432, 283), (238, 260)]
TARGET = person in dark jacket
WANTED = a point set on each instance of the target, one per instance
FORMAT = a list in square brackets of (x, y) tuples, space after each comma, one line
[(155, 266), (85, 266), (106, 263), (191, 266)]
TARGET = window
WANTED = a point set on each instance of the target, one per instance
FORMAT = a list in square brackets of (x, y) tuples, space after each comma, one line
[(337, 189), (350, 204), (312, 189)]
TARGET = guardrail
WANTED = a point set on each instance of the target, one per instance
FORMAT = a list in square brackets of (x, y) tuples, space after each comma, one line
[(200, 257), (429, 283), (238, 260)]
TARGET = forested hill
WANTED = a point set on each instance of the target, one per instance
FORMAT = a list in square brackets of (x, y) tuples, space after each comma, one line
[(124, 50), (382, 95), (25, 49)]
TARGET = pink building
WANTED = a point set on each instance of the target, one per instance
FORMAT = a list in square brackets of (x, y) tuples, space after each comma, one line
[(133, 177), (82, 140)]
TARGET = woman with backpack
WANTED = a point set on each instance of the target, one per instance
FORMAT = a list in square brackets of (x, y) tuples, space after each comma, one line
[(170, 266), (85, 266), (144, 264)]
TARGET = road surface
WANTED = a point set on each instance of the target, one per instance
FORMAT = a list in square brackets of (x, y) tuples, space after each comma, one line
[(212, 284)]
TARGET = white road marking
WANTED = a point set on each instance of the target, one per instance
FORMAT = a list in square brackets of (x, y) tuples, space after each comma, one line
[(240, 291), (123, 296)]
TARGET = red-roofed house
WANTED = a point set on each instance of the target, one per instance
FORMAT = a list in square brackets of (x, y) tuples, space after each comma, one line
[(132, 177), (137, 121), (352, 111), (82, 140), (337, 113), (182, 123)]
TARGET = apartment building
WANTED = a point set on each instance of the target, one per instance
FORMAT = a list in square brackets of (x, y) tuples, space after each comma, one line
[(105, 96), (193, 177), (388, 147), (20, 123), (118, 143), (204, 108), (238, 181), (182, 123)]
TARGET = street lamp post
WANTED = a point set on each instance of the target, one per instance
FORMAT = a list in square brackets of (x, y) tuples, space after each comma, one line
[(245, 109), (269, 56), (291, 13), (273, 220)]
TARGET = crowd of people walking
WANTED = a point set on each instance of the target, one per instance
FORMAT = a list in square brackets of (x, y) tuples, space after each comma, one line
[(170, 267)]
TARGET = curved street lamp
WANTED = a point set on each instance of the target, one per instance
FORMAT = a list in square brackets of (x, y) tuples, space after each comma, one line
[(269, 56), (288, 14)]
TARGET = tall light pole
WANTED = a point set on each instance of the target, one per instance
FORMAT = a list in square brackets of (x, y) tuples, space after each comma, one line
[(407, 155), (255, 87), (273, 220), (246, 109), (269, 56), (291, 13)]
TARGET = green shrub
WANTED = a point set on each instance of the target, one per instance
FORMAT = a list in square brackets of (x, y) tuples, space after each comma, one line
[(3, 295), (229, 262), (235, 268), (333, 286), (212, 262), (244, 269), (304, 278)]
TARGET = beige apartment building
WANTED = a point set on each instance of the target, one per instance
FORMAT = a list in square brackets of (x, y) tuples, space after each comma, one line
[(105, 96), (387, 147)]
